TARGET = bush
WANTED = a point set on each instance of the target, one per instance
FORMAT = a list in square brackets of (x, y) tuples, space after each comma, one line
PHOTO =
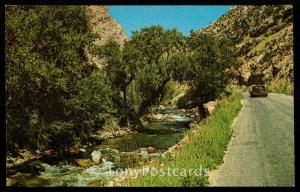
[(168, 91), (45, 56), (61, 134), (31, 131)]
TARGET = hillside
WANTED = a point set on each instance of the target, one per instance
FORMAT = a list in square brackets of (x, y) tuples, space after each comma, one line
[(106, 28), (263, 37)]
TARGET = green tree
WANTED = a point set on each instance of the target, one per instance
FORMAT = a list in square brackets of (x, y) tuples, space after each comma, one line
[(209, 58), (44, 58), (140, 71)]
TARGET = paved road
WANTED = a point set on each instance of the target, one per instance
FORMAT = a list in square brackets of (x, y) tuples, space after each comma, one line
[(261, 151)]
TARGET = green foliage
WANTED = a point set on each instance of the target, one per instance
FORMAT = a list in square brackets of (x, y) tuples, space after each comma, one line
[(209, 58), (141, 70), (184, 102), (31, 131), (60, 134), (168, 92), (52, 90), (181, 67), (45, 58), (148, 82), (91, 103), (154, 41)]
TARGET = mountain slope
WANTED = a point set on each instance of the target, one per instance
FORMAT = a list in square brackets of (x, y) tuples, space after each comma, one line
[(263, 37), (106, 28)]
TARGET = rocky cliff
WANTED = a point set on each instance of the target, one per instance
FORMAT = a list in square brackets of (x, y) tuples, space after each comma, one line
[(106, 28), (263, 38)]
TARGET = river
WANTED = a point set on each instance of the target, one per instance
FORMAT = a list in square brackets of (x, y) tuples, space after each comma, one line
[(160, 134)]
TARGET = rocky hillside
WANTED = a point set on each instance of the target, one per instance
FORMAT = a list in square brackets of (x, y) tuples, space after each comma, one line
[(106, 29), (263, 37)]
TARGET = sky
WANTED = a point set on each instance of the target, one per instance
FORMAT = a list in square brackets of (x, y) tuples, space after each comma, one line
[(184, 18)]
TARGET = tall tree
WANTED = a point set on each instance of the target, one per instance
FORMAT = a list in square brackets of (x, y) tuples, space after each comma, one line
[(209, 58)]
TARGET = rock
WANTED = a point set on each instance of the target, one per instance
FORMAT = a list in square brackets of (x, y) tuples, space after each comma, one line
[(210, 106), (183, 110), (161, 107), (61, 163), (48, 152), (108, 29), (151, 150), (19, 161), (96, 157), (16, 145), (34, 168), (83, 162), (158, 116), (111, 154), (144, 154), (10, 182), (27, 155), (82, 150), (194, 110), (154, 155), (172, 149)]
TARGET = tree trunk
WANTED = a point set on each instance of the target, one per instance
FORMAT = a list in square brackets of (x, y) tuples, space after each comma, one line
[(147, 103), (41, 128), (125, 106)]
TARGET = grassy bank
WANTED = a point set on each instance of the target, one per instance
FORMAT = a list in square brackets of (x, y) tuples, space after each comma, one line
[(204, 149), (282, 86), (287, 90)]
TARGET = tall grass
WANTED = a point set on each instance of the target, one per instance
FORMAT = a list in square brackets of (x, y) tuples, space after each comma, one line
[(282, 86), (204, 149), (287, 90)]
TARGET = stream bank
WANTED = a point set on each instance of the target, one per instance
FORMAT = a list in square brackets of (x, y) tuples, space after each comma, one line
[(118, 152)]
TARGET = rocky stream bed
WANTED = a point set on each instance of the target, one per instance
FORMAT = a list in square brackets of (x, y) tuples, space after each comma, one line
[(96, 164)]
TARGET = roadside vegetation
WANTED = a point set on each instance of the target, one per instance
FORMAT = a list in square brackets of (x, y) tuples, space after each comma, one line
[(283, 87), (205, 148)]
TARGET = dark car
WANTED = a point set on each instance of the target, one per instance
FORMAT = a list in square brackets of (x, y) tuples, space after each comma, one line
[(258, 91)]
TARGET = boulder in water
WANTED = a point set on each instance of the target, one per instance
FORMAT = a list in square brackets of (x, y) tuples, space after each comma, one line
[(96, 157), (83, 162), (111, 154), (33, 168), (151, 150), (82, 150), (144, 154), (161, 107)]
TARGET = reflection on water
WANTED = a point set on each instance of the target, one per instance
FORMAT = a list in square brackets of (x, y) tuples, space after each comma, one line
[(160, 134)]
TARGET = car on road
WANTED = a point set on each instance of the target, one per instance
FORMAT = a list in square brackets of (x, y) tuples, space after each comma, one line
[(258, 91)]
